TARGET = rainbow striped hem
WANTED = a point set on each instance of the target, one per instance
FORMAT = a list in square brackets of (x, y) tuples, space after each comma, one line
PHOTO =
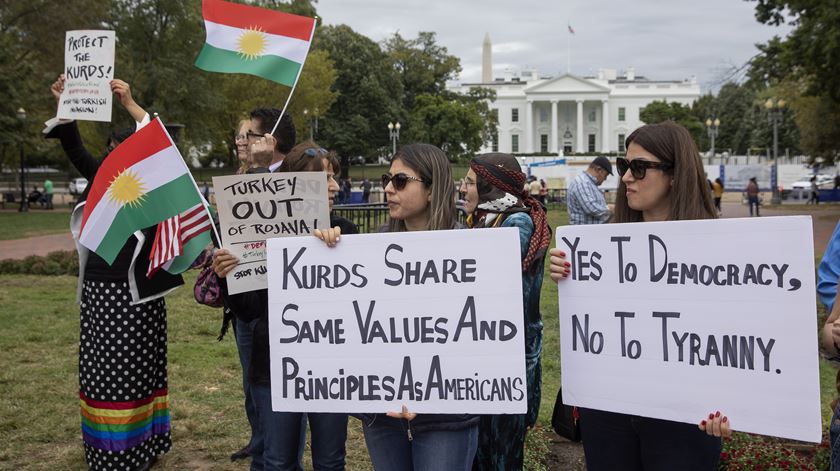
[(118, 426)]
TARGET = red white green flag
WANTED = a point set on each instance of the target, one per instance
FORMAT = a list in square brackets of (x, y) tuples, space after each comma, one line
[(142, 182), (257, 41)]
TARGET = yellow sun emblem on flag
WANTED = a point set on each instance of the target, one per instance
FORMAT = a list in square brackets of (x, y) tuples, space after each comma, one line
[(126, 189), (252, 43)]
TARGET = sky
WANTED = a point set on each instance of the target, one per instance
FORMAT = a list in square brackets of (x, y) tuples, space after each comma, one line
[(660, 39)]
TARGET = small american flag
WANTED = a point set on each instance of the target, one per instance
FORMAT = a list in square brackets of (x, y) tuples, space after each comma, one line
[(571, 30), (174, 233)]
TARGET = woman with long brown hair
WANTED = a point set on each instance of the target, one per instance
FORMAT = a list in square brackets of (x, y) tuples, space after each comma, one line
[(662, 179)]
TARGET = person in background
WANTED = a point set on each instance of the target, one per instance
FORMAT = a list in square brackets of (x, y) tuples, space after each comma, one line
[(661, 180), (753, 196), (815, 191), (585, 202), (717, 191), (123, 385), (493, 197), (48, 193), (365, 186)]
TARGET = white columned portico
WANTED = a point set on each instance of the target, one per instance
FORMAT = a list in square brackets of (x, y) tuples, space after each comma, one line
[(605, 126), (553, 146), (579, 130), (529, 125)]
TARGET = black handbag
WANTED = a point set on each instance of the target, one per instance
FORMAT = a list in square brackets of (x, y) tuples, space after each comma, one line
[(565, 420)]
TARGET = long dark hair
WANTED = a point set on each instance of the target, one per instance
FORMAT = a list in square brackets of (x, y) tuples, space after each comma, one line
[(690, 197), (432, 165)]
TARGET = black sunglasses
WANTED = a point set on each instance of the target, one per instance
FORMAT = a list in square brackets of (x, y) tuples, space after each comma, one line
[(638, 167), (400, 180)]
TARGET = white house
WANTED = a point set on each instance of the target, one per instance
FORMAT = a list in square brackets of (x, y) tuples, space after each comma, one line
[(550, 115)]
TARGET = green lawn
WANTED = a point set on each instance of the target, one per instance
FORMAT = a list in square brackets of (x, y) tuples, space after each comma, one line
[(15, 225), (39, 418)]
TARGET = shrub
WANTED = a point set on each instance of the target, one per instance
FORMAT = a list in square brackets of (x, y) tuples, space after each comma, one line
[(746, 452), (55, 263)]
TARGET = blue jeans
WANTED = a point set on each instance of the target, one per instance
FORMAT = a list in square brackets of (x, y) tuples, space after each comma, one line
[(244, 343), (834, 438), (628, 442), (753, 201), (284, 435), (391, 449)]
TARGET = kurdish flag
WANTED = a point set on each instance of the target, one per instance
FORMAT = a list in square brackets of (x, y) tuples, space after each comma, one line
[(250, 40), (142, 182)]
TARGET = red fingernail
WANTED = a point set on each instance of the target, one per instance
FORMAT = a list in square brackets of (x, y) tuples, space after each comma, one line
[(717, 414), (711, 416), (724, 419), (562, 254), (567, 264), (702, 422)]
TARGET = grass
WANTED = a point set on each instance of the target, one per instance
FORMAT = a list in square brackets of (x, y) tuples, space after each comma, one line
[(15, 225), (39, 418)]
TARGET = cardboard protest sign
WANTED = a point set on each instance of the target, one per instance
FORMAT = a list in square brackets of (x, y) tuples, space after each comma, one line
[(88, 71), (675, 320), (256, 207), (431, 319)]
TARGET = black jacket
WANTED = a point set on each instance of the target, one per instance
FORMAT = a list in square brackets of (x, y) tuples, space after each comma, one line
[(162, 281)]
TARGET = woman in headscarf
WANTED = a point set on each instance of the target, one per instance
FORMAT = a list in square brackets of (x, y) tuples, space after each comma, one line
[(494, 197)]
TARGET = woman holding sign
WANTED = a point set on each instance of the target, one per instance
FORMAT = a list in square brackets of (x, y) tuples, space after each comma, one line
[(122, 347), (493, 197), (284, 432), (420, 198), (662, 179)]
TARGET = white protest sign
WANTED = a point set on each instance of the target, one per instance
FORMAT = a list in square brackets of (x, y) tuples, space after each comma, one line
[(88, 71), (675, 320), (431, 319), (256, 207)]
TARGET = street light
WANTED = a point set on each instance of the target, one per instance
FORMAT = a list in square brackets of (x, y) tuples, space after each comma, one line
[(394, 133), (712, 126), (311, 122), (775, 109), (24, 203)]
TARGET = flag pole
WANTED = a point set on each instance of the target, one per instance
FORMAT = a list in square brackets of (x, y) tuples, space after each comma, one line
[(292, 91), (569, 48), (204, 202)]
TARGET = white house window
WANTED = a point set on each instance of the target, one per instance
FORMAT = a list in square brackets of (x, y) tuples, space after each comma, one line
[(592, 116), (621, 113), (621, 143), (514, 115), (543, 115), (543, 143), (495, 142), (591, 146), (514, 143)]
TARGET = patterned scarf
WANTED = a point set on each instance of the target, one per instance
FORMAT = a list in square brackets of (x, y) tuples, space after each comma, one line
[(504, 174)]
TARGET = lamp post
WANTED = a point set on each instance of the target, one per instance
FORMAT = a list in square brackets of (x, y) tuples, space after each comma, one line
[(312, 122), (775, 109), (712, 127), (24, 203), (394, 133)]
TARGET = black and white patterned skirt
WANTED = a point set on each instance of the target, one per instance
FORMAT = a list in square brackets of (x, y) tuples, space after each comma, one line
[(122, 377)]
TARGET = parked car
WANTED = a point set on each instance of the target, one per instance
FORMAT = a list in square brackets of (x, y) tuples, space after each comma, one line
[(804, 183), (77, 186)]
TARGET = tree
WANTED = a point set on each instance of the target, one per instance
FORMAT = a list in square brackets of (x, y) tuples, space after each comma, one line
[(810, 57), (423, 66), (658, 111), (455, 126), (370, 93)]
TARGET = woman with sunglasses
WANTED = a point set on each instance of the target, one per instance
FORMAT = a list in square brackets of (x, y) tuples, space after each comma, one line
[(494, 197), (283, 432), (662, 179), (421, 197)]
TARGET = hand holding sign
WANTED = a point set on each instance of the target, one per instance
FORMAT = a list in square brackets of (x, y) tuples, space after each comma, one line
[(224, 262), (559, 267), (717, 425), (57, 87)]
